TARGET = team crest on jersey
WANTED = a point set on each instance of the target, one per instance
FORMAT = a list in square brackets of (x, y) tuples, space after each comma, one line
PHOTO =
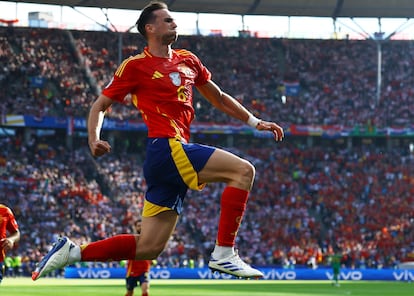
[(175, 78), (186, 70)]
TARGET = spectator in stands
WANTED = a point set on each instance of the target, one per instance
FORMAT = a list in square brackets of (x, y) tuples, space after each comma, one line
[(40, 67), (29, 184)]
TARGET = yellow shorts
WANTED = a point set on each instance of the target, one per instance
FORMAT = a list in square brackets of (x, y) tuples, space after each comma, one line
[(151, 210)]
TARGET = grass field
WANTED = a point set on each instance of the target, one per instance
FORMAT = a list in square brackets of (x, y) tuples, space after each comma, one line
[(66, 287)]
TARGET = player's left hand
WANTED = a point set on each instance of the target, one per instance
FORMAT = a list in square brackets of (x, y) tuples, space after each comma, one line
[(276, 129)]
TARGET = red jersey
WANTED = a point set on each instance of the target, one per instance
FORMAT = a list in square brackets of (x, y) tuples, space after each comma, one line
[(7, 224), (161, 89), (137, 267)]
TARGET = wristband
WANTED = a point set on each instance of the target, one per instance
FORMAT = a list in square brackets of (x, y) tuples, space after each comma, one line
[(253, 121)]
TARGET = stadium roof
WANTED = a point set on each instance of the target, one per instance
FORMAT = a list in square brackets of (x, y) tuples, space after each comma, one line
[(318, 8)]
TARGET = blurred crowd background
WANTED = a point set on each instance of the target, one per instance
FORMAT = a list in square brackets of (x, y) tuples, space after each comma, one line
[(311, 199)]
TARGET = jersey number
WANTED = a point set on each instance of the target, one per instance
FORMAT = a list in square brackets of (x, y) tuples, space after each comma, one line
[(181, 94)]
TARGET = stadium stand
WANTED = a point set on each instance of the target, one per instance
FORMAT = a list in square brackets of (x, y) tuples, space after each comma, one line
[(308, 200), (336, 78)]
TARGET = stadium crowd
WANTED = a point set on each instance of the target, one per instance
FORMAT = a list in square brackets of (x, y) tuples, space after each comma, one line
[(59, 73), (307, 202)]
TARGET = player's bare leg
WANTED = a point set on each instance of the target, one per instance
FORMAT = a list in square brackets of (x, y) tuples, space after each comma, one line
[(155, 233)]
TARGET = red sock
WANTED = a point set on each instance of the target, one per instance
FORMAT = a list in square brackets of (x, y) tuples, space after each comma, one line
[(233, 204), (116, 248)]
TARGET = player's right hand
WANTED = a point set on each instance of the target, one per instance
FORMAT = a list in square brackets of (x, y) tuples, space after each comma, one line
[(6, 244), (99, 147)]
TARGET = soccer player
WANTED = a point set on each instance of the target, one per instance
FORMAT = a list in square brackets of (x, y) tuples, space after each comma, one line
[(160, 81), (336, 268), (9, 234), (137, 271)]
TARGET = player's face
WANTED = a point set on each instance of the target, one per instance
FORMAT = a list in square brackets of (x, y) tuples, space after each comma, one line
[(165, 27)]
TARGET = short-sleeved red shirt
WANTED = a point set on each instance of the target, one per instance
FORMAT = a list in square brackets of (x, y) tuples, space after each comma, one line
[(137, 267), (7, 224), (161, 89)]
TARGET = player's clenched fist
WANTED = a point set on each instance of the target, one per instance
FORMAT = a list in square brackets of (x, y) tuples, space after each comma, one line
[(99, 147), (6, 244)]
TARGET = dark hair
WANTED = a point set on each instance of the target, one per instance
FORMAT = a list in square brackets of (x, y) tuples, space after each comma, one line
[(147, 15)]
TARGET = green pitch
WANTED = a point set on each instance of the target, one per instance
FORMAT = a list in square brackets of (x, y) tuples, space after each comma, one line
[(65, 287)]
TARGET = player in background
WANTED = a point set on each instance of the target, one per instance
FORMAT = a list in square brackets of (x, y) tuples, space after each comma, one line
[(137, 271), (160, 81), (9, 234), (336, 268)]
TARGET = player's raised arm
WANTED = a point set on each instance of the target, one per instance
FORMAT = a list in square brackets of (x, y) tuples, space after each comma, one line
[(95, 121), (229, 105)]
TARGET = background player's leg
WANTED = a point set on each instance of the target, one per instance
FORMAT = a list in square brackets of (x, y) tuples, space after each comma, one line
[(145, 289)]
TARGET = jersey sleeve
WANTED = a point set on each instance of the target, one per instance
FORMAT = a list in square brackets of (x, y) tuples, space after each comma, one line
[(123, 82), (204, 74), (12, 225)]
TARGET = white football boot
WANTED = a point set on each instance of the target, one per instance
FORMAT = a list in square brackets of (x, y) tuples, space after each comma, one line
[(56, 258), (234, 265)]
